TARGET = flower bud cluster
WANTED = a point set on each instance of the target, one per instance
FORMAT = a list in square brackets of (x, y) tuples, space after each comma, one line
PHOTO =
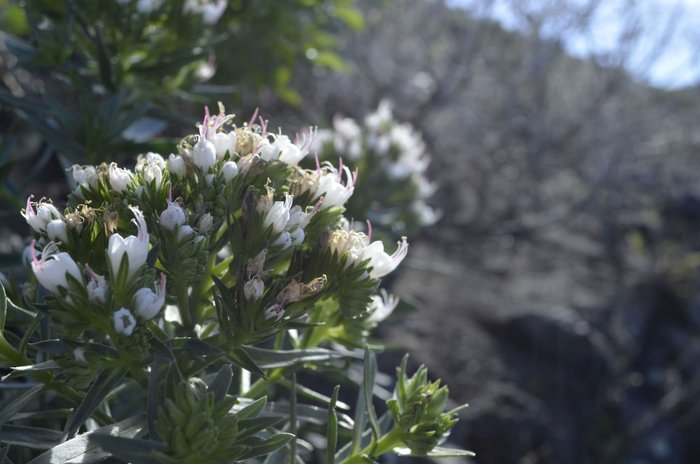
[(418, 410)]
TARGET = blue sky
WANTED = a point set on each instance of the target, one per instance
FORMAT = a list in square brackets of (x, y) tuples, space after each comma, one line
[(675, 65)]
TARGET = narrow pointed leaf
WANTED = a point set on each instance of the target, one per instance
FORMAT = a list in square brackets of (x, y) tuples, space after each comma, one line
[(441, 452), (129, 449), (253, 409), (30, 437), (94, 397), (268, 446), (13, 405), (241, 358), (3, 307), (285, 358), (82, 450), (221, 382)]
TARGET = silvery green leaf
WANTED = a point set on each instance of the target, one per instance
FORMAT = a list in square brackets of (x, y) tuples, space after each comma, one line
[(82, 450)]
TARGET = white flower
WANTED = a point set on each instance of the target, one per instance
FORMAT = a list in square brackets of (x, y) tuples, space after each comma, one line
[(133, 246), (427, 215), (229, 170), (85, 176), (224, 143), (297, 235), (268, 151), (382, 306), (124, 322), (278, 214), (375, 121), (381, 262), (347, 128), (210, 10), (57, 230), (173, 216), (151, 166), (120, 179), (205, 223), (322, 138), (411, 159), (358, 248), (148, 303), (347, 241), (38, 215), (331, 187), (209, 179), (184, 231), (97, 287), (284, 240), (204, 154), (297, 216), (347, 138), (292, 153), (52, 268), (177, 166), (253, 289)]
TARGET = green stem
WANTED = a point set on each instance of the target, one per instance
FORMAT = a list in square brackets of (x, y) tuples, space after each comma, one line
[(385, 444), (199, 292), (183, 301)]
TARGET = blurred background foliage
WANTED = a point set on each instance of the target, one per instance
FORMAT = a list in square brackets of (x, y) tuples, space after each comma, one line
[(560, 284), (102, 81)]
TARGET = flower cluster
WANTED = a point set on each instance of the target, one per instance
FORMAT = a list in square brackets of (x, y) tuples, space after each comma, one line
[(231, 204), (156, 274), (393, 161)]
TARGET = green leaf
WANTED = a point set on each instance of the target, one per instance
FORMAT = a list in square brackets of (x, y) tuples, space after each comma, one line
[(285, 358), (332, 428), (221, 383), (249, 427), (81, 449), (30, 437), (440, 452), (3, 307), (13, 405), (368, 387), (360, 421), (308, 413), (129, 449), (94, 397), (54, 346), (267, 446), (18, 371), (241, 358), (253, 409), (154, 399), (350, 16)]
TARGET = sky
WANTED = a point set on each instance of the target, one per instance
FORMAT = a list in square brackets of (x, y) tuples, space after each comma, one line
[(674, 65)]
